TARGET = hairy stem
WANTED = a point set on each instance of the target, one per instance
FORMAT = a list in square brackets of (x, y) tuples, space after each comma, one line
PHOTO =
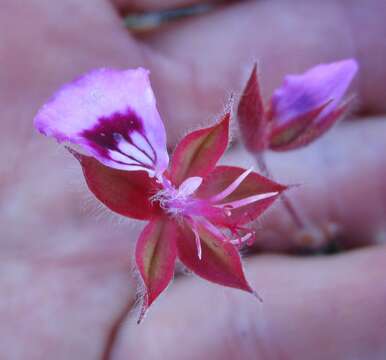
[(288, 204)]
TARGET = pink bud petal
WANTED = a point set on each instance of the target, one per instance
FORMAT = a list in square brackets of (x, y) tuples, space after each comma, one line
[(250, 114), (112, 114), (303, 93), (253, 185), (220, 261), (155, 255), (126, 193), (199, 151)]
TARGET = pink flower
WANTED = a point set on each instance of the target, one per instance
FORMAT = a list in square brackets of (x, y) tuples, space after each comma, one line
[(301, 110), (196, 210)]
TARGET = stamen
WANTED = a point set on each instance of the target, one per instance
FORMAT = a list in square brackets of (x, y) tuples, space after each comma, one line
[(227, 210), (198, 241), (231, 188), (248, 237), (248, 200), (211, 228), (241, 239)]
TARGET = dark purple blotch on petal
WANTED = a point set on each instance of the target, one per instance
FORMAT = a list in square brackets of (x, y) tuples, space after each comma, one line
[(109, 131)]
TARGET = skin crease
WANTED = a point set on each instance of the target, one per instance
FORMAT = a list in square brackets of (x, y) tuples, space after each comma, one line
[(151, 5), (65, 274)]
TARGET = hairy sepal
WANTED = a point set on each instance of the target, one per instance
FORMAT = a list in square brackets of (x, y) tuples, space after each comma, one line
[(155, 256), (285, 134), (124, 192), (253, 122), (315, 131), (199, 151), (220, 261)]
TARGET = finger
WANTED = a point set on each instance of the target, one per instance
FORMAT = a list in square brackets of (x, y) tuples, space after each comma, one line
[(41, 48), (206, 58), (69, 305), (341, 193), (326, 308)]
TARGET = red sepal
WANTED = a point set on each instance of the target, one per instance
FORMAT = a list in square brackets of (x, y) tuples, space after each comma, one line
[(124, 192), (252, 120), (220, 261), (199, 151), (155, 255), (284, 134), (315, 130)]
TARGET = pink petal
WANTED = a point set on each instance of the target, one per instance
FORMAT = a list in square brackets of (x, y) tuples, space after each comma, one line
[(126, 193), (251, 117), (220, 261), (300, 94), (253, 185), (199, 151), (113, 116), (190, 185), (155, 255)]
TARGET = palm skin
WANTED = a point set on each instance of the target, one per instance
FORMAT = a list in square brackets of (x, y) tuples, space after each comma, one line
[(65, 276)]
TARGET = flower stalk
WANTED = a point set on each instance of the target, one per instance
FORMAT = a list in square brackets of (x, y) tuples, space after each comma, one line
[(299, 223)]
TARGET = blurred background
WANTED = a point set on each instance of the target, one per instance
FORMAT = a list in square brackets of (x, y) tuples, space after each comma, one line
[(67, 285)]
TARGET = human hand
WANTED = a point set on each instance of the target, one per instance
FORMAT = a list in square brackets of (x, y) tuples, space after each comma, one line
[(65, 278)]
